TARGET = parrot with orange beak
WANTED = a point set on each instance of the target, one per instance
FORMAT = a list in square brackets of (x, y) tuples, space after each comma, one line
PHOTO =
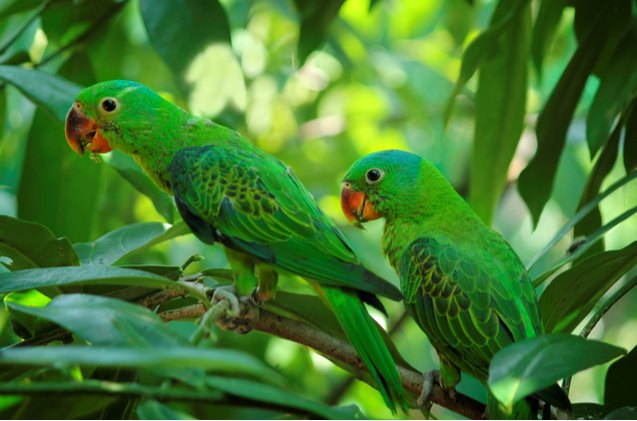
[(462, 282), (230, 192)]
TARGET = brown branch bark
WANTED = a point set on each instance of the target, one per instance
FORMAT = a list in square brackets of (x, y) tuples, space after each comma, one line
[(341, 351)]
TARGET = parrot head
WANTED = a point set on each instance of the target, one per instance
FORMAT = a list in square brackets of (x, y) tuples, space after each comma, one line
[(97, 119), (378, 184)]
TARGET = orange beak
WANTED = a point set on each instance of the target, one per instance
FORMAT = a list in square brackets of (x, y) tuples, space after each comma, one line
[(356, 207), (83, 133)]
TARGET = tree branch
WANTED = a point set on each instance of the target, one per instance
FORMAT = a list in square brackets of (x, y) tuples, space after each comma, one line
[(339, 350)]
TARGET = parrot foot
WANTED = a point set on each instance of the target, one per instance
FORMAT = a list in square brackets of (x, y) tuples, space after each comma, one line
[(242, 313), (429, 380)]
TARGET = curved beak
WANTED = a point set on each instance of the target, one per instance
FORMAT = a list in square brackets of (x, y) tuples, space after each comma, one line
[(356, 207), (83, 133)]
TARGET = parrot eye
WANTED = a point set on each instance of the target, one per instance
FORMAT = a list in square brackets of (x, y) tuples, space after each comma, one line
[(109, 104), (374, 175)]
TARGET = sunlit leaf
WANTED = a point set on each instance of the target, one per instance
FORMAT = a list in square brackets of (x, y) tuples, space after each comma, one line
[(31, 245), (48, 91), (533, 364), (270, 394), (620, 378), (217, 360), (500, 109), (127, 240), (128, 168), (573, 293), (180, 30), (32, 298), (105, 321), (617, 88), (92, 275)]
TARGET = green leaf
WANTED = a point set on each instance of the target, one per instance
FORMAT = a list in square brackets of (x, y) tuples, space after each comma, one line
[(273, 395), (179, 30), (106, 321), (625, 413), (124, 241), (619, 384), (225, 361), (536, 181), (151, 409), (617, 88), (51, 92), (546, 22), (533, 364), (500, 109), (630, 138), (29, 322), (23, 280), (483, 47), (585, 210), (31, 245), (573, 294), (57, 188), (128, 168), (316, 18), (596, 177)]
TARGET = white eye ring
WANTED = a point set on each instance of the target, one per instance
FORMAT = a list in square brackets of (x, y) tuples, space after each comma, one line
[(374, 175)]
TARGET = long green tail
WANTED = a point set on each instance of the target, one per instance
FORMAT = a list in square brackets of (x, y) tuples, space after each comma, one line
[(365, 336)]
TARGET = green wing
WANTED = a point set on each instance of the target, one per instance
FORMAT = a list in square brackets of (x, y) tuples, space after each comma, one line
[(253, 202), (471, 302)]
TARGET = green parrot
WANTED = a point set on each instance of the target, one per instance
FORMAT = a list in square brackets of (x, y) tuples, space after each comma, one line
[(462, 282), (229, 191)]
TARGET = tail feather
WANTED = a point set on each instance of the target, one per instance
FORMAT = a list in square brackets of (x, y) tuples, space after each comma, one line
[(364, 335)]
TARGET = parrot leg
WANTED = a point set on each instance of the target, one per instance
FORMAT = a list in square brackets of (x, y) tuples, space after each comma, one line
[(447, 377), (267, 284), (241, 314)]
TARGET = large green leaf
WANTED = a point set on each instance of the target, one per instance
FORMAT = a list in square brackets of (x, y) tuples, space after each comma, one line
[(31, 245), (217, 360), (572, 294), (57, 188), (596, 177), (106, 321), (179, 30), (273, 395), (23, 280), (11, 7), (484, 46), (151, 409), (500, 109), (620, 380), (127, 240), (536, 181), (51, 92), (128, 168), (546, 22), (617, 88), (630, 138), (533, 364), (316, 18)]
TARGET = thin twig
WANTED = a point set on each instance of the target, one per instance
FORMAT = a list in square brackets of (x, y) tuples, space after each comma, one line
[(341, 351)]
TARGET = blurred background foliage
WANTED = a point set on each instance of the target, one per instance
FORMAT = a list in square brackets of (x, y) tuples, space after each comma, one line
[(319, 84)]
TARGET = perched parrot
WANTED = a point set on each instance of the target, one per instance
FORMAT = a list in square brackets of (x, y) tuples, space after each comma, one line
[(462, 282), (229, 191)]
